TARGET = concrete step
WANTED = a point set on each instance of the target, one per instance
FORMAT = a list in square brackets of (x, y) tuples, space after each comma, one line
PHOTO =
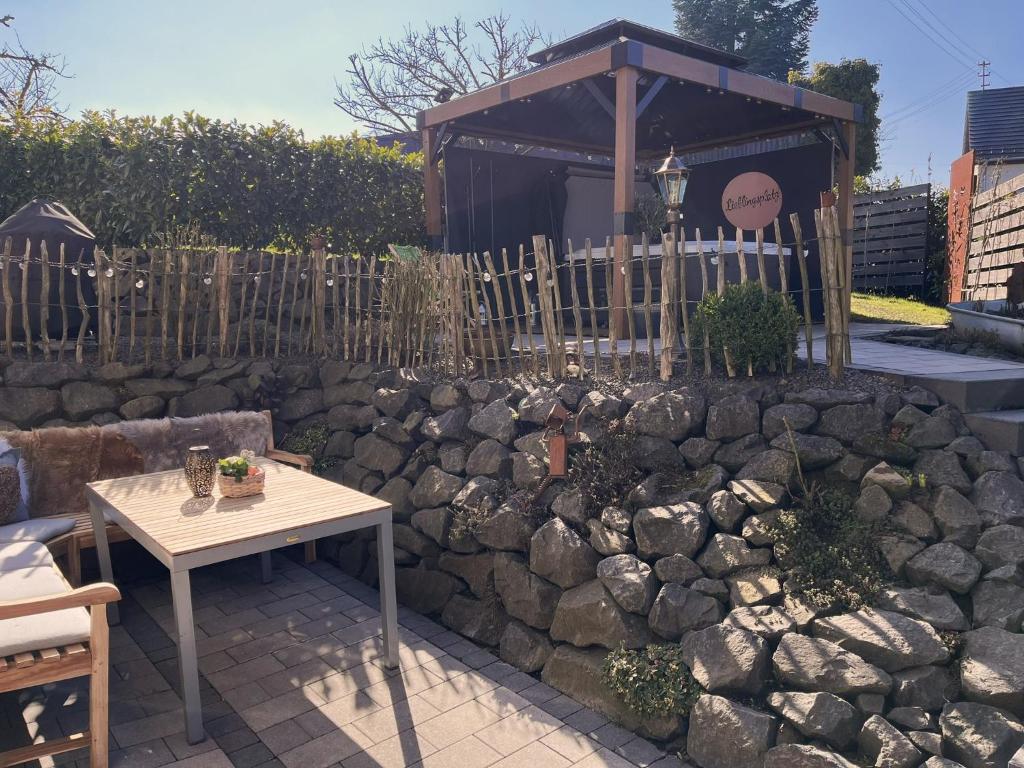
[(976, 391), (999, 430)]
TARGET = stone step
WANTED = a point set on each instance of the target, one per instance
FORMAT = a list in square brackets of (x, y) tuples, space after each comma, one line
[(976, 391), (999, 430)]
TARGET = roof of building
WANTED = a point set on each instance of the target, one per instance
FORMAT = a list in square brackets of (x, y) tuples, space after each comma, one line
[(994, 124), (615, 29)]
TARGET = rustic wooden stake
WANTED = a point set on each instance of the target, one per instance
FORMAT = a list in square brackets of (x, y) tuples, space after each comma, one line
[(243, 273), (8, 301), (741, 255), (295, 300), (183, 302), (25, 321), (594, 333), (667, 306), (705, 289), (83, 329), (547, 321), (44, 299), (257, 279), (499, 301), (222, 277), (627, 261), (485, 299), (645, 255), (63, 305), (474, 314), (517, 329), (679, 264), (613, 336), (577, 316), (527, 319), (720, 267), (801, 260), (556, 290), (762, 274)]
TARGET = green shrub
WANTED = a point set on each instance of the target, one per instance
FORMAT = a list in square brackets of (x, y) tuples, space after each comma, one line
[(759, 329), (653, 681), (829, 555), (311, 441)]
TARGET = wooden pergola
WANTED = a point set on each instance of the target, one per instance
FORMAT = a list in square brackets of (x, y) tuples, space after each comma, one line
[(630, 91)]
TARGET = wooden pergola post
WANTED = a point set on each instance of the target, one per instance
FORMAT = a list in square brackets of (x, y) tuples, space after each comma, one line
[(625, 173), (847, 164), (432, 191)]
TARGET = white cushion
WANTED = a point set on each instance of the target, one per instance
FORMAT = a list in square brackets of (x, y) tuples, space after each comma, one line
[(24, 554), (40, 529), (42, 630)]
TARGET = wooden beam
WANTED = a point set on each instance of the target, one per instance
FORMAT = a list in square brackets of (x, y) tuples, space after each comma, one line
[(432, 190), (625, 180), (649, 95), (847, 165), (528, 84), (599, 97)]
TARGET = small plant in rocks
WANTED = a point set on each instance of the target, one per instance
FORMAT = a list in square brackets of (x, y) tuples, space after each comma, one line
[(829, 554), (311, 441), (604, 472), (652, 681)]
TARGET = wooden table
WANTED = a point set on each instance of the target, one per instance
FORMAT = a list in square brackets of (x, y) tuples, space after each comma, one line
[(183, 532)]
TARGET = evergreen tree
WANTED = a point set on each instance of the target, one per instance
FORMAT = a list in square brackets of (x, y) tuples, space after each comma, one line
[(774, 35)]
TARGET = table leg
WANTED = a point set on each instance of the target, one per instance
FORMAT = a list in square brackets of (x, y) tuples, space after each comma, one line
[(266, 571), (388, 604), (188, 666), (99, 530)]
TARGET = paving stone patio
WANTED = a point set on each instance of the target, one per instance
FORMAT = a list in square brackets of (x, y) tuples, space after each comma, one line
[(290, 676)]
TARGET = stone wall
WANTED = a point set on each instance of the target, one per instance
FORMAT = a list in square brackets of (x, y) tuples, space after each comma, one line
[(935, 667)]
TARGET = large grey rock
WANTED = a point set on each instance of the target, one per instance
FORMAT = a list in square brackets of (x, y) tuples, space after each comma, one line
[(799, 417), (888, 479), (890, 640), (767, 621), (813, 451), (165, 388), (46, 375), (930, 604), (677, 569), (848, 422), (822, 716), (956, 518), (671, 415), (979, 736), (758, 495), (942, 468), (570, 506), (617, 518), (558, 554), (509, 529), (998, 604), (668, 530), (496, 421), (149, 407), (118, 372), (771, 466), (886, 746), (726, 510), (535, 407), (992, 668), (804, 756), (823, 398), (931, 432), (577, 673), (735, 454), (29, 406), (450, 425), (524, 648), (435, 523), (478, 494), (882, 445), (724, 734), (423, 591), (999, 498), (813, 664), (678, 610), (897, 549), (408, 538), (525, 595), (1001, 545), (380, 455), (873, 505), (944, 565), (490, 459), (527, 470), (301, 404), (435, 488), (724, 659), (82, 399), (589, 615), (608, 542), (929, 688), (396, 403), (759, 530), (477, 570), (726, 554), (914, 521), (444, 397), (630, 581), (481, 620), (348, 417), (732, 417), (755, 586), (698, 451)]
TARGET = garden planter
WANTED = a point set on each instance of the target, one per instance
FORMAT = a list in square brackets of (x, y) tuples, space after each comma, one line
[(233, 488), (1009, 330)]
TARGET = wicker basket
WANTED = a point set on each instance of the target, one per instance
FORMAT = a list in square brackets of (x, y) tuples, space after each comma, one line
[(232, 488)]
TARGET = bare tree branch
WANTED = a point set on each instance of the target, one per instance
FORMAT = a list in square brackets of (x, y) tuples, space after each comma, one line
[(28, 89), (389, 81)]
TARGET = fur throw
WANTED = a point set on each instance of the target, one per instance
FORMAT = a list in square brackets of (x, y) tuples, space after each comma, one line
[(61, 460), (164, 443)]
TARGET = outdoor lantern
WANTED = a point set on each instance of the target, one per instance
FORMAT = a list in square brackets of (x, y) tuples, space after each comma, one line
[(672, 178)]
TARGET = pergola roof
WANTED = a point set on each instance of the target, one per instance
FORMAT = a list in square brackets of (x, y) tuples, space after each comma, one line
[(690, 96)]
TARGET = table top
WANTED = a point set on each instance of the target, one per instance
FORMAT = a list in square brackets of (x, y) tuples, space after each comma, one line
[(159, 508)]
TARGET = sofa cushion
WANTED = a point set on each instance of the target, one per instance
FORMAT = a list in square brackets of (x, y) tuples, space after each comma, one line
[(44, 630), (41, 529), (14, 506), (24, 554)]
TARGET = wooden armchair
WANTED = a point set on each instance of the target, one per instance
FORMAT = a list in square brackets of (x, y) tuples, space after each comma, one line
[(24, 667)]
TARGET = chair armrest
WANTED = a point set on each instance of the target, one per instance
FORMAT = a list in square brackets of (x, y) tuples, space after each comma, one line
[(94, 594), (300, 460)]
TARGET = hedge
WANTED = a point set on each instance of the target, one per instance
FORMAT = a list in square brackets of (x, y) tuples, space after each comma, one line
[(132, 178)]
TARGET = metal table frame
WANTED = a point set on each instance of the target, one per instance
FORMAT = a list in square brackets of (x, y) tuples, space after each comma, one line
[(181, 592)]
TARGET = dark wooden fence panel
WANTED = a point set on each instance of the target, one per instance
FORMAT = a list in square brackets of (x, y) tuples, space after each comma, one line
[(890, 240), (996, 240)]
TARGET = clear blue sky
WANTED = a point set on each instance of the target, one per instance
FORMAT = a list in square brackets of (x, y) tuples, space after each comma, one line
[(257, 60)]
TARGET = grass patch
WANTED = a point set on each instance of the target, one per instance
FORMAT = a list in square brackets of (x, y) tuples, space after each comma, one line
[(869, 308)]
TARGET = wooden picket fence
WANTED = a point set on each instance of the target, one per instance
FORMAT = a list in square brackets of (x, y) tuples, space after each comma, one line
[(477, 314), (996, 241)]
